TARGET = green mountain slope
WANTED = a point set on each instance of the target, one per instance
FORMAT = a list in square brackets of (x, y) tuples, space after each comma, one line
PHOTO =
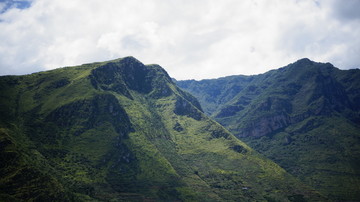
[(213, 94), (305, 117), (121, 130)]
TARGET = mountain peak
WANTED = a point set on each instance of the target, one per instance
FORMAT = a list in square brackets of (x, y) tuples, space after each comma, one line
[(123, 74), (128, 60), (306, 65), (303, 62)]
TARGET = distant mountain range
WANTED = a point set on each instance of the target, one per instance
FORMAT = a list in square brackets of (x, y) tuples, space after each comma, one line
[(123, 131), (305, 117)]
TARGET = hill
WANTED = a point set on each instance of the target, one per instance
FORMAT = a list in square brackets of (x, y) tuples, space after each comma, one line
[(123, 131), (305, 117)]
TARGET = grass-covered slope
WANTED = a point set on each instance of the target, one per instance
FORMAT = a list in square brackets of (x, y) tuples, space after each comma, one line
[(120, 130), (305, 117)]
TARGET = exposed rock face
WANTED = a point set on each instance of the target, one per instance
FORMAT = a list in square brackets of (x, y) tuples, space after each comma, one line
[(184, 107), (265, 126)]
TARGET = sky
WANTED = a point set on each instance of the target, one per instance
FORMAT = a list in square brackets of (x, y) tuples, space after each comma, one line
[(190, 39)]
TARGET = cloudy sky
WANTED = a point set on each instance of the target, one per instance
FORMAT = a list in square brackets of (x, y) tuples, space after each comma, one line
[(190, 39)]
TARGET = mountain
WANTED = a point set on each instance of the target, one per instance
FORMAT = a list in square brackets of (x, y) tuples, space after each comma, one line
[(123, 131), (305, 117)]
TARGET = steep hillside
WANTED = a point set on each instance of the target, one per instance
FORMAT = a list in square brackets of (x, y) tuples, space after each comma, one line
[(121, 130), (305, 117)]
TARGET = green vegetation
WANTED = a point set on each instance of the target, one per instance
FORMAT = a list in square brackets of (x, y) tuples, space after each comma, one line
[(321, 151), (304, 116), (123, 131)]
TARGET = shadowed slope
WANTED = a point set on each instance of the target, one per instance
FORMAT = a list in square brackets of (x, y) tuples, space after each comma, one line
[(304, 116)]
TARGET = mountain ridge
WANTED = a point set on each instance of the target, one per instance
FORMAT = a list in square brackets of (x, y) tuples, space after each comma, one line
[(121, 130)]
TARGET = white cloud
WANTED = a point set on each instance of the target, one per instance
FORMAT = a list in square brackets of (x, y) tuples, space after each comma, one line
[(190, 39)]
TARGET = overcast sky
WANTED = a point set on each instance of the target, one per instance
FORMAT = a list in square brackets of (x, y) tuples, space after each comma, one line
[(191, 39)]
